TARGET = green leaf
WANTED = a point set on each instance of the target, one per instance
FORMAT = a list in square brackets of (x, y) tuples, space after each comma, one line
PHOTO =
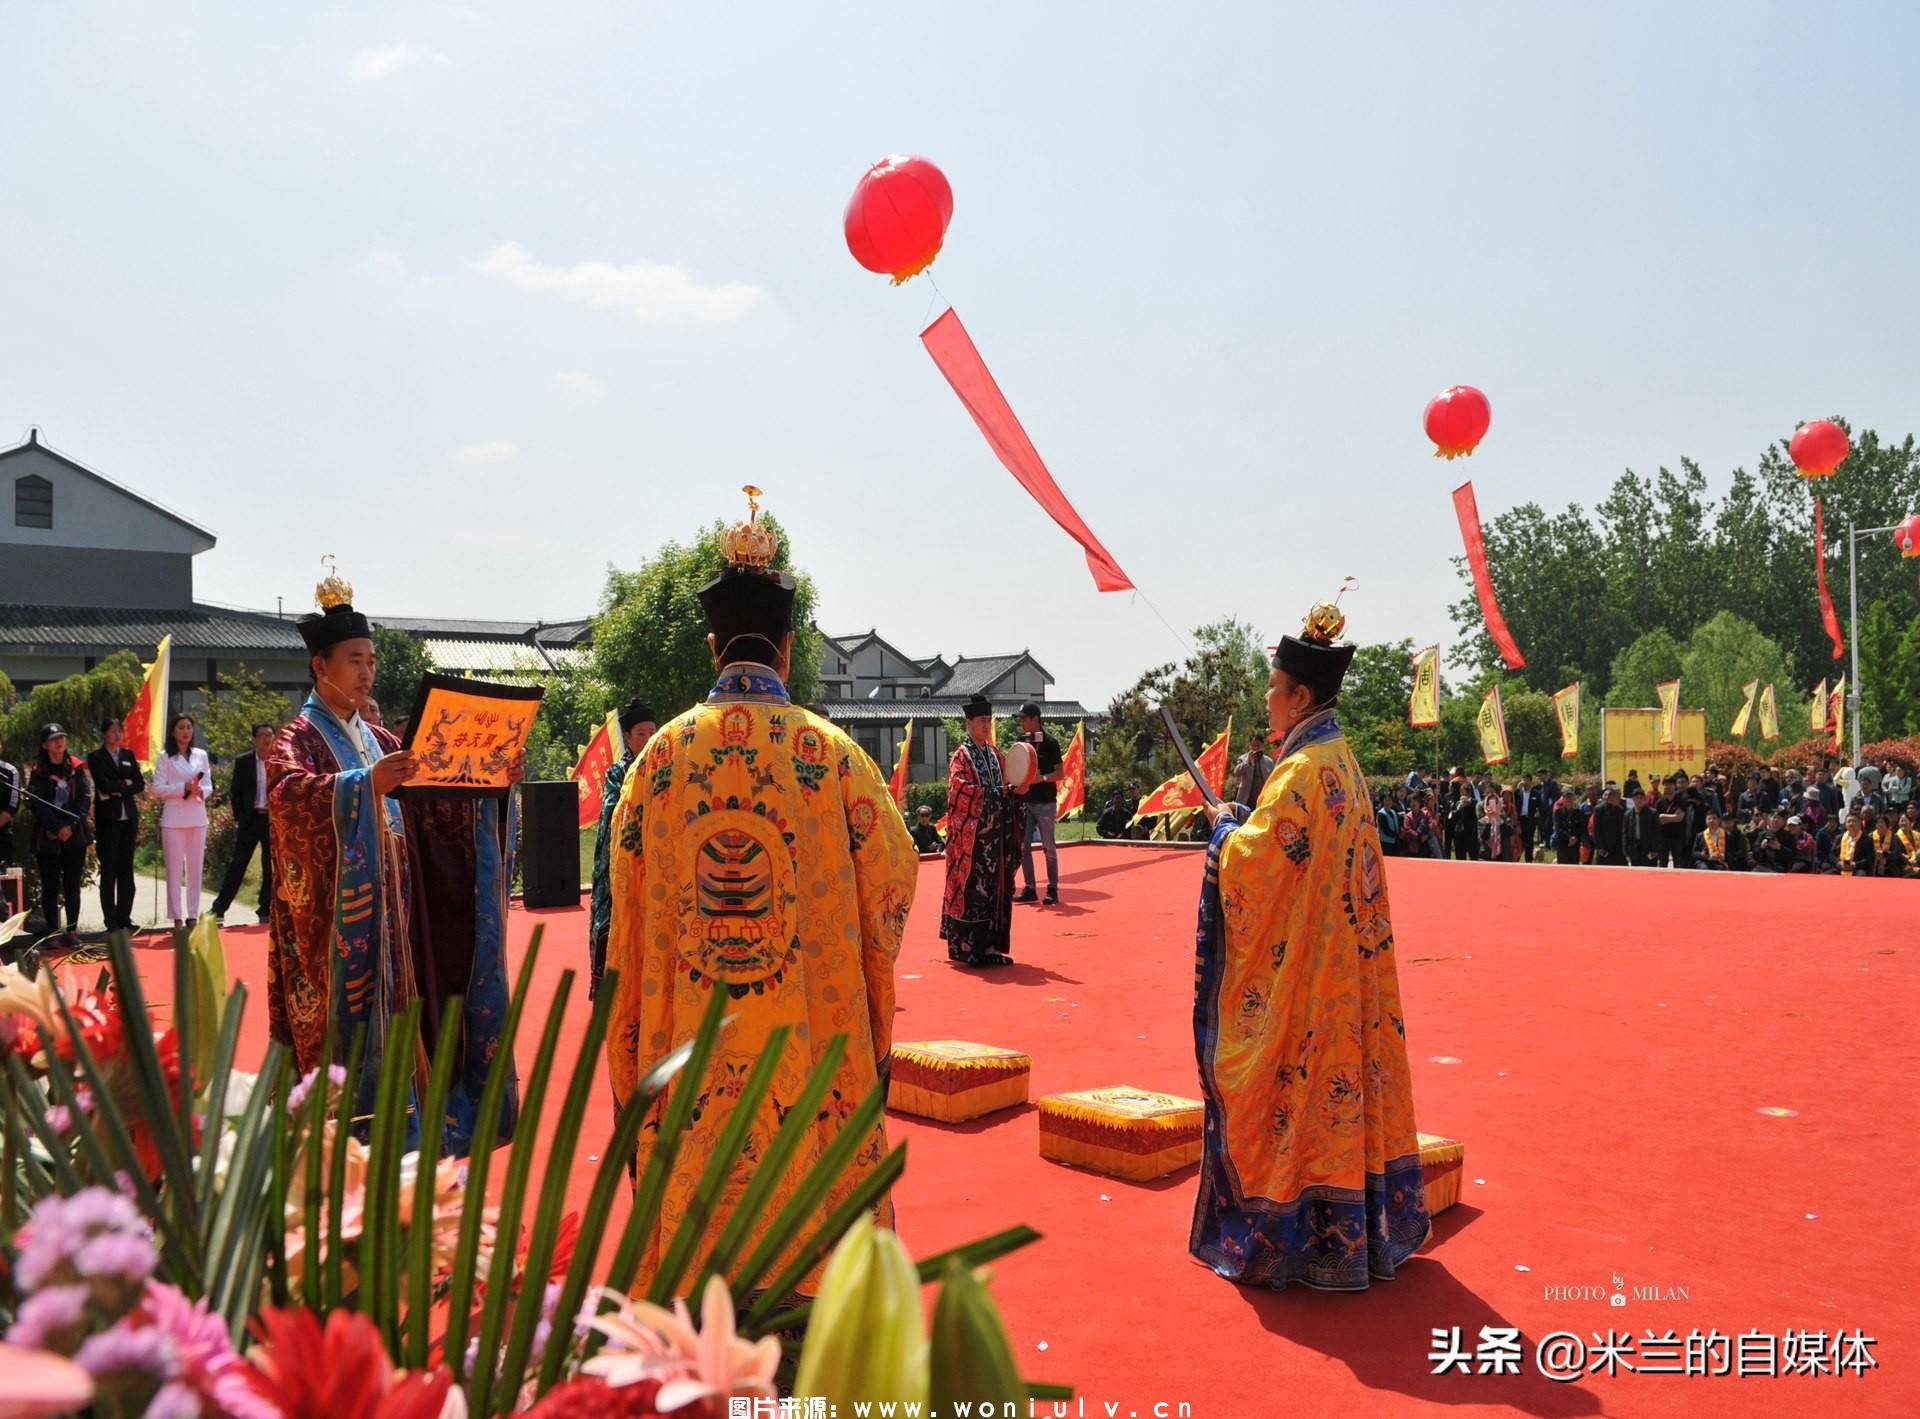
[(553, 1197), (446, 1058), (862, 1199), (479, 1160), (502, 1268), (335, 1279), (799, 1122), (811, 1191), (150, 1082), (613, 1163), (726, 1148), (975, 1253), (35, 1110), (380, 1224), (220, 1059), (660, 1158)]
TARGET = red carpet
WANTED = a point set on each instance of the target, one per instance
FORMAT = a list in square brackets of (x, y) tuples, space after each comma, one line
[(1610, 1041)]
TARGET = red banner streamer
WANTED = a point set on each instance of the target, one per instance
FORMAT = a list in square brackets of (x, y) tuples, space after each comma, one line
[(952, 349), (1828, 617), (1469, 514)]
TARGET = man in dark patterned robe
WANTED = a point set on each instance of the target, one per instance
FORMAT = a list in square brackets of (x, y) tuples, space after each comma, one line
[(375, 903), (983, 845)]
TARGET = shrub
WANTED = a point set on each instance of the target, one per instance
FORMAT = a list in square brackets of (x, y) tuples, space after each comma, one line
[(933, 794)]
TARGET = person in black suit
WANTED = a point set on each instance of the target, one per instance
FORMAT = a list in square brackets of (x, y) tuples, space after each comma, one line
[(249, 801), (117, 786), (1641, 832), (1528, 809)]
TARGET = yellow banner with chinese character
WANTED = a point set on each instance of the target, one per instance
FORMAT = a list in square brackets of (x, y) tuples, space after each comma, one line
[(1769, 716), (1566, 709), (1817, 711), (1837, 714), (1423, 707), (1750, 689), (1492, 724), (1669, 694), (469, 736)]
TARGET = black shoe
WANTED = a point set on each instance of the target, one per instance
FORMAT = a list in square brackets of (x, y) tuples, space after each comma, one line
[(1028, 896), (1052, 899)]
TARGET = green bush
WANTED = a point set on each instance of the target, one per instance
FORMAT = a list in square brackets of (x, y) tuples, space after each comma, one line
[(932, 794)]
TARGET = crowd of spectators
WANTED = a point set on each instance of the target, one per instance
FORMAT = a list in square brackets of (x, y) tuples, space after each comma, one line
[(1862, 822)]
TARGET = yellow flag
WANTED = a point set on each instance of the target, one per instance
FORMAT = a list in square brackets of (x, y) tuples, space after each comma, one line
[(1839, 715), (897, 785), (1750, 689), (1769, 716), (1492, 723), (1423, 709), (1817, 712), (1566, 708), (145, 726), (1669, 694)]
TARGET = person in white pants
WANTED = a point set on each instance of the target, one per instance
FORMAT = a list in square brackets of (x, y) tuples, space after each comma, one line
[(182, 781)]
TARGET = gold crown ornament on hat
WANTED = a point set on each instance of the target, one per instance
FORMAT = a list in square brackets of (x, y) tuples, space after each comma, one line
[(1325, 621), (334, 589), (750, 545)]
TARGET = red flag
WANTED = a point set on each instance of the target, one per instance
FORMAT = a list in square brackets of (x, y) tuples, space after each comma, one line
[(1828, 617), (1468, 512), (1073, 775), (952, 349), (591, 772), (1180, 792)]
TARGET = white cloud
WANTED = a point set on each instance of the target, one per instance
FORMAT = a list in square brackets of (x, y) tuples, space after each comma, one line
[(497, 451), (580, 388), (376, 64), (642, 290), (392, 61)]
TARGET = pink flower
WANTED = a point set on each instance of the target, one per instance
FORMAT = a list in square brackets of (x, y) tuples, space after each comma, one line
[(40, 1384), (52, 1318), (207, 1365), (648, 1343)]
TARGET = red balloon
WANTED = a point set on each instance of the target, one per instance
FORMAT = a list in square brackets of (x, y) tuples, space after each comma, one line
[(1457, 420), (1907, 536), (1817, 448), (897, 217)]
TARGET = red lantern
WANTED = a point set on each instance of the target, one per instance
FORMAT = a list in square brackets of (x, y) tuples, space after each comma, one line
[(1817, 448), (898, 215), (1457, 420), (1907, 536)]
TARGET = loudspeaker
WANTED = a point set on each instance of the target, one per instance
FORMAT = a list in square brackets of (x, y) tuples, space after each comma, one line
[(550, 843)]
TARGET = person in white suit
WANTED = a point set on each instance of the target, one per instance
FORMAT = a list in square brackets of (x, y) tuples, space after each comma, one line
[(183, 781)]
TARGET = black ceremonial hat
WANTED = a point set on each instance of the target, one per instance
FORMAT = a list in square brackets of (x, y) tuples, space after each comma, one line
[(1312, 658), (636, 712), (748, 597), (976, 707), (336, 620)]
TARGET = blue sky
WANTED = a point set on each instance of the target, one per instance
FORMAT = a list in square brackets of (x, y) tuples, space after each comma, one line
[(483, 297)]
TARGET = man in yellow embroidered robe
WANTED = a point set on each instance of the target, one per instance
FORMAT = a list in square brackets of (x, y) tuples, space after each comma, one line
[(1310, 1170), (757, 850)]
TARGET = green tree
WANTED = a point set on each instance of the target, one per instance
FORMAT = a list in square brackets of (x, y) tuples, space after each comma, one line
[(1889, 673), (1533, 730), (401, 663), (1373, 707), (77, 704), (650, 638), (227, 715), (1651, 660), (1718, 659)]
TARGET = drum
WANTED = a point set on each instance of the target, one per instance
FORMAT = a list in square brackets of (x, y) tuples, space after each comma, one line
[(1023, 765)]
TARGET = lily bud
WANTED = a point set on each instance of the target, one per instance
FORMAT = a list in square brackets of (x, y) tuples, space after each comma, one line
[(866, 1338), (971, 1360)]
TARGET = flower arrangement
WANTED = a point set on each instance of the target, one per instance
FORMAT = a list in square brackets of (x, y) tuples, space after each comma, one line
[(183, 1240)]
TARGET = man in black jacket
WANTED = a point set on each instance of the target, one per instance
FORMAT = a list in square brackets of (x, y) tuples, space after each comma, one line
[(248, 799), (1609, 831), (1528, 809), (1642, 831), (117, 786)]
